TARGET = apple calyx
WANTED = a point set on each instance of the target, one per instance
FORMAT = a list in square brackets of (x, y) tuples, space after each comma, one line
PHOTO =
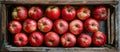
[(69, 10), (98, 38), (61, 25), (34, 38), (20, 40), (68, 39), (13, 25), (76, 26), (103, 13), (92, 23), (51, 42), (43, 24), (34, 9), (85, 11), (84, 38)]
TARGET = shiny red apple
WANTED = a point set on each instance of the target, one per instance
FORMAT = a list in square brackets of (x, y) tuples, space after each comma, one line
[(76, 27), (68, 12), (15, 27), (35, 13), (29, 25), (84, 40), (52, 39), (19, 13), (91, 25), (45, 24), (100, 13), (36, 39), (68, 40), (99, 38), (20, 39), (83, 13), (60, 26), (53, 12)]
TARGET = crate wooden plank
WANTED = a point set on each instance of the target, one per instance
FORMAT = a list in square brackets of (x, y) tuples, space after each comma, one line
[(116, 27), (112, 27), (59, 49), (4, 23), (108, 26), (61, 2)]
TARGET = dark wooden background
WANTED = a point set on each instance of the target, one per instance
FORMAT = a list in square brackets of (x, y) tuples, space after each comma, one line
[(1, 38)]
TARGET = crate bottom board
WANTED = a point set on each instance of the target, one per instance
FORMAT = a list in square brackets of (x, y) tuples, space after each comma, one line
[(57, 49), (61, 49)]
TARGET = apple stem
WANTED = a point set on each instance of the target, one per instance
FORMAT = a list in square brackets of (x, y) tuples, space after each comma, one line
[(52, 7)]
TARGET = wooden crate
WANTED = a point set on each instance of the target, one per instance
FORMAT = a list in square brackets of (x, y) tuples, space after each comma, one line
[(110, 23)]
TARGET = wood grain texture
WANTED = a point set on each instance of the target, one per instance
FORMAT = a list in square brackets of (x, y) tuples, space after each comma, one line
[(4, 23), (112, 27), (59, 49), (108, 26), (61, 2), (118, 25)]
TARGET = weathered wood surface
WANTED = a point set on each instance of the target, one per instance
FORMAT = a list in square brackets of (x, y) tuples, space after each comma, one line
[(108, 26), (59, 49), (61, 1), (118, 25)]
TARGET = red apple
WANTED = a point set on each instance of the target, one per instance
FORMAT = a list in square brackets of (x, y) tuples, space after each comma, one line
[(29, 25), (45, 24), (76, 27), (15, 27), (68, 13), (99, 38), (53, 12), (83, 13), (36, 39), (60, 26), (68, 40), (100, 13), (19, 13), (35, 12), (91, 25), (20, 39), (52, 39), (84, 40)]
